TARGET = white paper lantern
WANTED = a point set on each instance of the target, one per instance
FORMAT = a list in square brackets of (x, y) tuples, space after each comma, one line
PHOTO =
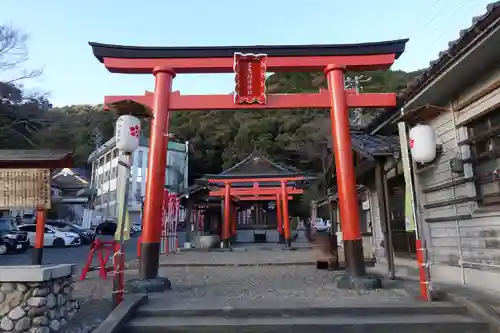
[(423, 143), (127, 133)]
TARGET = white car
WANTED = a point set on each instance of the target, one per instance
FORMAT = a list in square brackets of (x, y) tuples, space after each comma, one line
[(136, 227), (53, 236), (320, 225)]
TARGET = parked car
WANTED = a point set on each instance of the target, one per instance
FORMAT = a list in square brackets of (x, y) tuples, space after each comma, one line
[(107, 228), (53, 236), (136, 228), (11, 239), (87, 236), (319, 225)]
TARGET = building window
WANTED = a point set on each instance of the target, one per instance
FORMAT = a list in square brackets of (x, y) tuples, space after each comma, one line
[(114, 172), (138, 195), (484, 138), (139, 159)]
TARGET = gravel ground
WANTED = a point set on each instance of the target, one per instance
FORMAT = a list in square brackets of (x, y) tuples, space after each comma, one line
[(275, 284), (233, 286)]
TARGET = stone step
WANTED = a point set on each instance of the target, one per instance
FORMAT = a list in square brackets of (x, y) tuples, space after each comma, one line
[(338, 323), (157, 310)]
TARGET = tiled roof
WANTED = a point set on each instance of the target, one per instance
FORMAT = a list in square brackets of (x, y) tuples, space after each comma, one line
[(256, 164), (466, 37), (32, 155), (369, 145), (375, 145)]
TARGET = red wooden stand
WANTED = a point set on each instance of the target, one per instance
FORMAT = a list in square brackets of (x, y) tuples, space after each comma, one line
[(104, 250)]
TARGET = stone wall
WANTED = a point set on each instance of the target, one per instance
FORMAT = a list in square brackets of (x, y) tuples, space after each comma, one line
[(36, 299)]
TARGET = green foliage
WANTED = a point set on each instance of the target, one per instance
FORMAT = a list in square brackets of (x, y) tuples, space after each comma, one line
[(30, 123), (77, 128)]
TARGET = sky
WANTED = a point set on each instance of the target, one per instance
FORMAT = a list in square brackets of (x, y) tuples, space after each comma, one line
[(59, 32)]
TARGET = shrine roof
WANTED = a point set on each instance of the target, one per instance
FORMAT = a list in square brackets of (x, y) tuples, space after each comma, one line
[(67, 178), (21, 158), (102, 51), (257, 166)]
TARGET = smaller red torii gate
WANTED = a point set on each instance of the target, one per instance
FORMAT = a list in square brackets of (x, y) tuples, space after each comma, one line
[(256, 178)]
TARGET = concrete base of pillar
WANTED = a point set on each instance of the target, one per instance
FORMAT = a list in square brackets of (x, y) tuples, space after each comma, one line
[(366, 282), (154, 285), (225, 244)]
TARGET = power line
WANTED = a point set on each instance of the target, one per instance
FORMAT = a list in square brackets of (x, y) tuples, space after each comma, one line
[(417, 18), (429, 22), (459, 8)]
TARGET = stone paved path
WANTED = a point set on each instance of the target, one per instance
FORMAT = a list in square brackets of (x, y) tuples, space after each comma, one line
[(298, 285), (240, 257), (274, 285)]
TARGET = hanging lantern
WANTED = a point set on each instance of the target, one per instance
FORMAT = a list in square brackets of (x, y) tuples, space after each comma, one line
[(127, 133), (423, 143)]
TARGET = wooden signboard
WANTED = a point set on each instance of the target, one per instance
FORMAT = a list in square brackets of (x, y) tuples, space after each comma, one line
[(24, 188)]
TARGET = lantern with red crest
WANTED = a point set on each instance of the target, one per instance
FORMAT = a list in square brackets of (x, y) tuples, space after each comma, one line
[(127, 133), (423, 143)]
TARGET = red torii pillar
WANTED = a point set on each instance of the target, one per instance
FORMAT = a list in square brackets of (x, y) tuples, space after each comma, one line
[(157, 162), (226, 224), (346, 178), (279, 219), (287, 232), (234, 221)]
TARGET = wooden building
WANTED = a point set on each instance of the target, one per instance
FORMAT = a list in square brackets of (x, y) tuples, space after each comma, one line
[(458, 194)]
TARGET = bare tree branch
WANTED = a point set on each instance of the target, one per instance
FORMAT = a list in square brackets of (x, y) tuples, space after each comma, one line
[(14, 52), (34, 145)]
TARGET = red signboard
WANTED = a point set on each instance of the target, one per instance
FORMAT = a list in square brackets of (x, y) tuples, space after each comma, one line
[(250, 78)]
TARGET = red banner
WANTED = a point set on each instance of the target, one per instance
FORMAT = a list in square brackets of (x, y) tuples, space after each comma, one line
[(250, 78)]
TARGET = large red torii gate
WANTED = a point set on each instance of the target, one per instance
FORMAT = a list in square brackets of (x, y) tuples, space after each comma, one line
[(166, 62)]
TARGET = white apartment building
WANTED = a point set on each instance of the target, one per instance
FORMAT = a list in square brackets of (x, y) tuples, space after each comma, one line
[(104, 177)]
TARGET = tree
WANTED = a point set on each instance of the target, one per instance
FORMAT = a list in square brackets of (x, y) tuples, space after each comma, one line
[(13, 53), (74, 128), (20, 115)]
